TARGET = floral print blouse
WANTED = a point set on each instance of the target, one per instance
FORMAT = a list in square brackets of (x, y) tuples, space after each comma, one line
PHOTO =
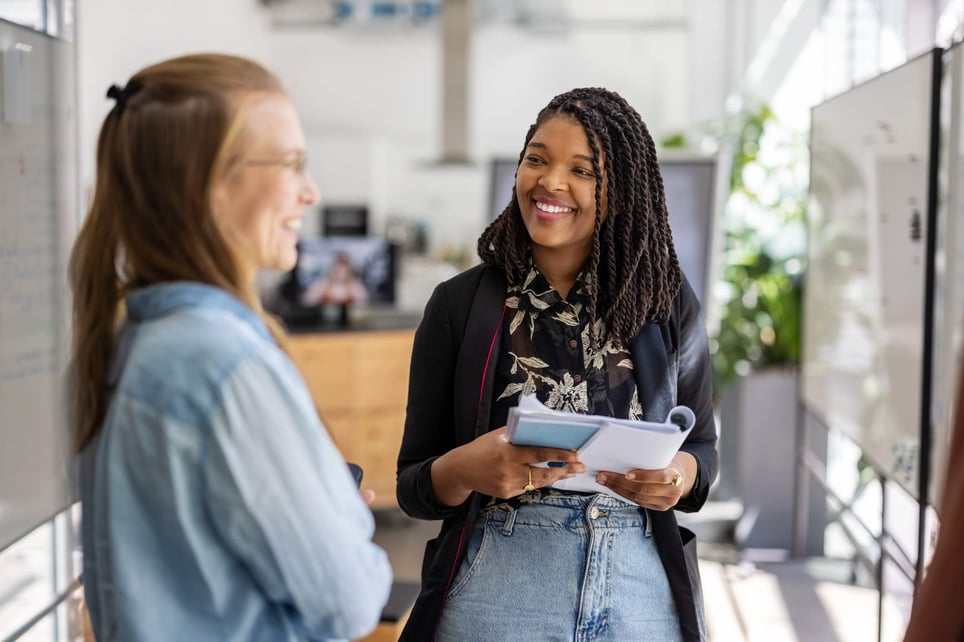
[(546, 350)]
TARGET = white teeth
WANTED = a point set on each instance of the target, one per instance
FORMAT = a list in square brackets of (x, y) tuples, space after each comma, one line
[(293, 224), (552, 209)]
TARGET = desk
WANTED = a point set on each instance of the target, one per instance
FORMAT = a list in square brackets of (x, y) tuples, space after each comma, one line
[(359, 381)]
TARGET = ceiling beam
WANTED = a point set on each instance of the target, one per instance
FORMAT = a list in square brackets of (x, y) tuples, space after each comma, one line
[(456, 44)]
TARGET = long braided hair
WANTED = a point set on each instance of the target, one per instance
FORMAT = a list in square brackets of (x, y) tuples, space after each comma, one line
[(632, 274)]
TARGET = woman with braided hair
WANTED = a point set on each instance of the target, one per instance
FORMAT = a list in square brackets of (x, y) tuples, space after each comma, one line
[(580, 300)]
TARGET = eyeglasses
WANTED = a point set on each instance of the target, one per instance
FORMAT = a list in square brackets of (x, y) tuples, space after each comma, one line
[(296, 164)]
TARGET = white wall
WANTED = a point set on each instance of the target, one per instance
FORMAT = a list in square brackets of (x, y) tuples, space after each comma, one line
[(515, 73), (370, 100), (115, 38)]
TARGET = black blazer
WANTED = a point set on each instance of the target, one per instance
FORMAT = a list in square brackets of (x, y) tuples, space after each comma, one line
[(449, 402)]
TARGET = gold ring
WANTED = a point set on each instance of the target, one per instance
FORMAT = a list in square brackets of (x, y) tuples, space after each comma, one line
[(677, 479), (529, 487)]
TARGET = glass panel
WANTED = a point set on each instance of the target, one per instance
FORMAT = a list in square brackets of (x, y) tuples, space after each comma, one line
[(29, 13), (26, 578), (52, 17), (67, 13), (60, 625), (34, 571)]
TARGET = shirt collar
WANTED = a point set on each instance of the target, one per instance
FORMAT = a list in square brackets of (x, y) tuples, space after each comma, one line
[(155, 301), (535, 287)]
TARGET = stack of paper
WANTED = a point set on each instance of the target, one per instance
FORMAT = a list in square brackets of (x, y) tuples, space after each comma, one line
[(603, 443)]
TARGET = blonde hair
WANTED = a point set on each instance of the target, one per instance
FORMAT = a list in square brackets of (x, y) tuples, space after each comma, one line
[(169, 139)]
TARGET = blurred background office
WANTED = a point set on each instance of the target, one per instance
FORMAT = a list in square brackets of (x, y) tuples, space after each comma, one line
[(811, 152)]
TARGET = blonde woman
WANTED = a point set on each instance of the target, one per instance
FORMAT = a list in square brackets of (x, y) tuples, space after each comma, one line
[(215, 506)]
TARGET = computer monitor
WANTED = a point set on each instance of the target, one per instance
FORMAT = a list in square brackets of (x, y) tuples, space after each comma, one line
[(350, 219), (336, 271), (693, 199), (501, 185)]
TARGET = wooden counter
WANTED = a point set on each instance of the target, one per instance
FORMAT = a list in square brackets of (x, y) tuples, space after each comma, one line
[(359, 381)]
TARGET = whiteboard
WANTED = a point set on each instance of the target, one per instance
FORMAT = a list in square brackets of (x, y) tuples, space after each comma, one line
[(864, 333), (949, 277), (38, 218)]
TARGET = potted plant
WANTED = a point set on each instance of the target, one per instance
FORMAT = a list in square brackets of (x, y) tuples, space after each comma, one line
[(755, 342), (756, 347), (759, 295)]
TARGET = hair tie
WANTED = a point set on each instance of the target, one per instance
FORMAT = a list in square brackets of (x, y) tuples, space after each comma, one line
[(121, 96)]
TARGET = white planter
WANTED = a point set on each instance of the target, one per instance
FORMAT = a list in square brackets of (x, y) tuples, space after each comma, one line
[(758, 428)]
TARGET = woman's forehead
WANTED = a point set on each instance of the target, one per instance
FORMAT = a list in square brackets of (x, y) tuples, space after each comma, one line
[(566, 126), (270, 122)]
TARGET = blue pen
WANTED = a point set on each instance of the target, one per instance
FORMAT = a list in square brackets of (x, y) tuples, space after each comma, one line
[(556, 464)]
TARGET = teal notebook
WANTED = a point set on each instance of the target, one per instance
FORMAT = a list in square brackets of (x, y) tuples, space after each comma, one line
[(551, 431), (604, 443)]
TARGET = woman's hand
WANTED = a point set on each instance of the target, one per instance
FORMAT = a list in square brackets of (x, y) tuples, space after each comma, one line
[(492, 466), (654, 489)]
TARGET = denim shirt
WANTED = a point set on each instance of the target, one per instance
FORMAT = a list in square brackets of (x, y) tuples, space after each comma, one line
[(215, 505)]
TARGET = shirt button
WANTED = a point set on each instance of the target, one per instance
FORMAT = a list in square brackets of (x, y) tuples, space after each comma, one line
[(577, 378), (573, 343)]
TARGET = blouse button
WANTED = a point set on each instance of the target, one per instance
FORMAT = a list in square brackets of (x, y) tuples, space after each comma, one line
[(573, 343), (577, 378)]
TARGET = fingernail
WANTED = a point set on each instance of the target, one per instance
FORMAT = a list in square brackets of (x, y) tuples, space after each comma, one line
[(630, 476), (600, 479)]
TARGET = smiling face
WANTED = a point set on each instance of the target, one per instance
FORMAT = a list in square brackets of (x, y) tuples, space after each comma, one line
[(556, 190), (260, 202)]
